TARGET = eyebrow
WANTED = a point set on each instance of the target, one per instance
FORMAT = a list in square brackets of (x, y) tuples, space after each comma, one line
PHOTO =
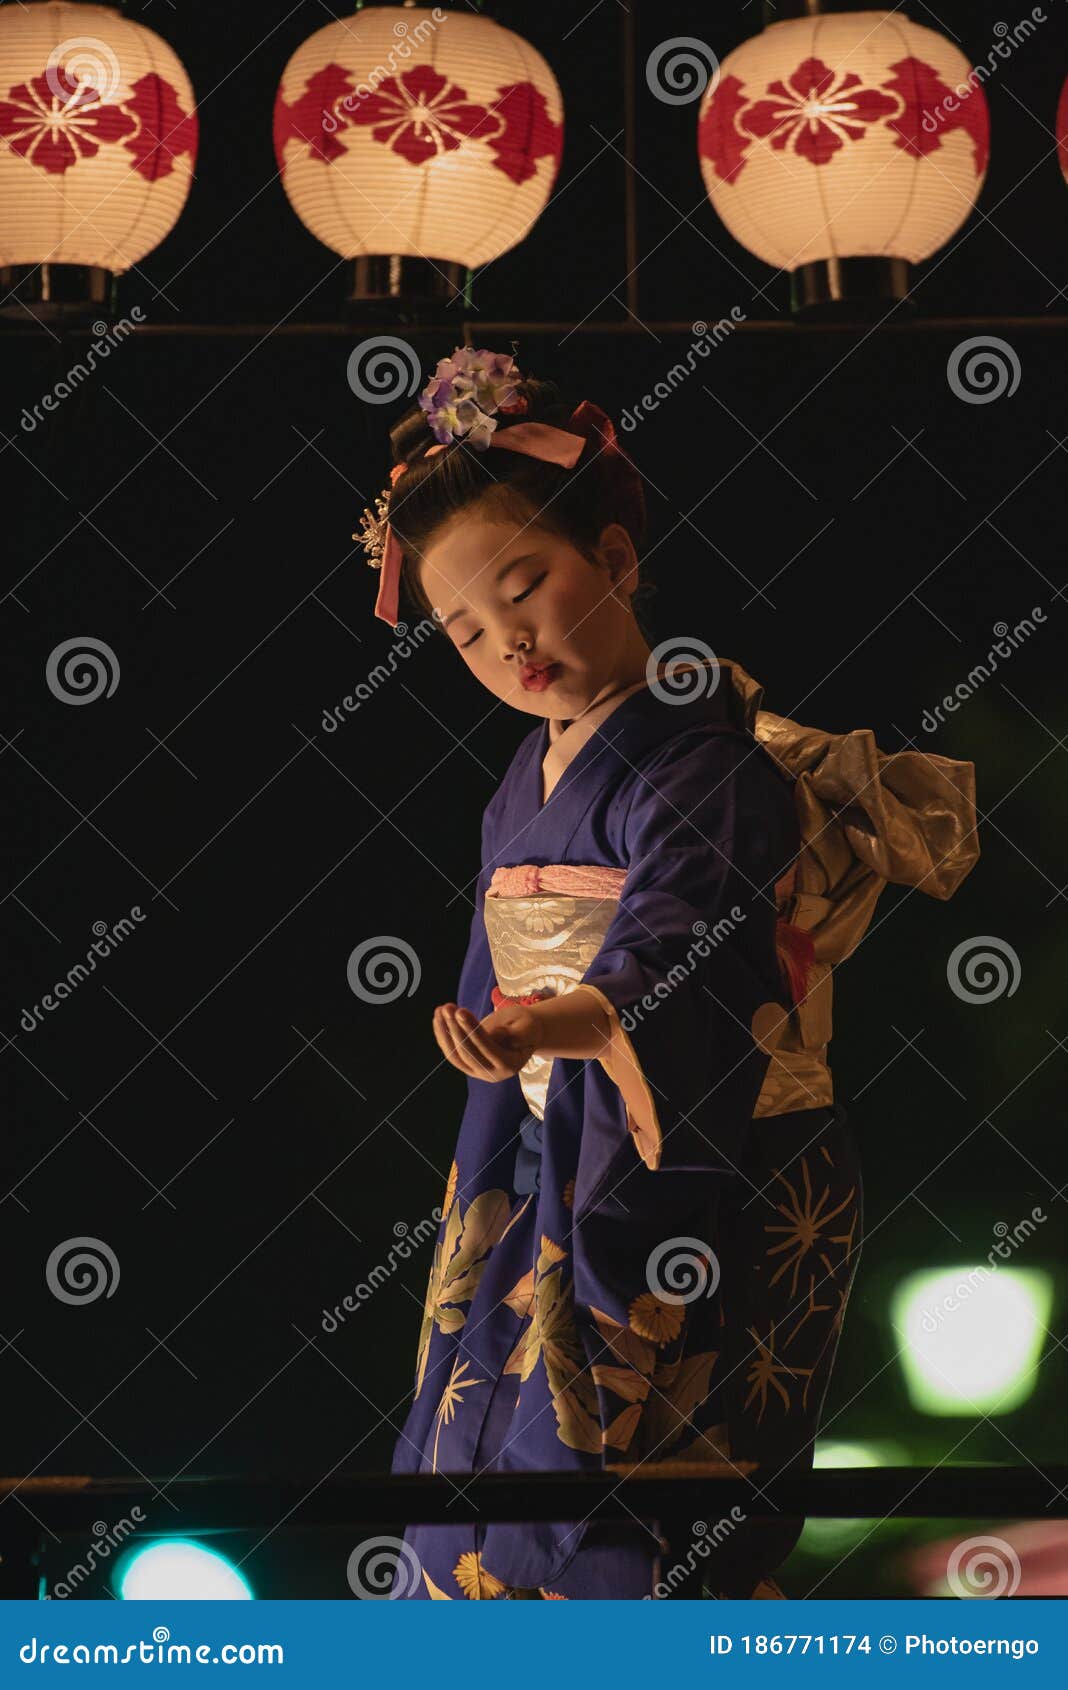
[(499, 577)]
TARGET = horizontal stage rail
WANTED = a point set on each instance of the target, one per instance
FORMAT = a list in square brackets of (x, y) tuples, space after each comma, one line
[(229, 1502), (37, 1512), (463, 329)]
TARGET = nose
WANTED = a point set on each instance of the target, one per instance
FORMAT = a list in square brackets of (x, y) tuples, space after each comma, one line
[(517, 646)]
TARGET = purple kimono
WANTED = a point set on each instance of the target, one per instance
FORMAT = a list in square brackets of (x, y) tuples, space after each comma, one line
[(562, 1326)]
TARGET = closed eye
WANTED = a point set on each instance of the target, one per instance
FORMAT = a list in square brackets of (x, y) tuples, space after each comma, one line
[(517, 600), (526, 594)]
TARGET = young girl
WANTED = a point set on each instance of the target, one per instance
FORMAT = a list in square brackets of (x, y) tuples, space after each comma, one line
[(653, 1216)]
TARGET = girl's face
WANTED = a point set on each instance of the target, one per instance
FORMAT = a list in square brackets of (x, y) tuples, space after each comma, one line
[(511, 594)]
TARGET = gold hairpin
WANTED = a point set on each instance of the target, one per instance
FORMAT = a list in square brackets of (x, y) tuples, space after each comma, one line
[(372, 531)]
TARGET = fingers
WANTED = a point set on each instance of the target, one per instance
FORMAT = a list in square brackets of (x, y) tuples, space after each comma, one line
[(444, 1033), (459, 1044), (471, 1054), (480, 1047)]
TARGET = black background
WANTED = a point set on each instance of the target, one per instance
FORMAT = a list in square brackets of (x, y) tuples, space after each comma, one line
[(215, 1102)]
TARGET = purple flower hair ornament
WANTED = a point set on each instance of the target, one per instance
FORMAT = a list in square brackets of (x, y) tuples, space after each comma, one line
[(464, 393)]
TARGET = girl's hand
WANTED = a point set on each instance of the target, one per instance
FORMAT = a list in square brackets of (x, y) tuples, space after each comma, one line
[(493, 1049)]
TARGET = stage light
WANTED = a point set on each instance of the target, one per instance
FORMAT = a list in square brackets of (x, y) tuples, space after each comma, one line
[(180, 1569), (830, 1453), (971, 1337), (842, 146), (418, 142), (98, 139)]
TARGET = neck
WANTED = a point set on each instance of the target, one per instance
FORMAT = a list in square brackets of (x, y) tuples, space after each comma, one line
[(631, 669), (630, 674)]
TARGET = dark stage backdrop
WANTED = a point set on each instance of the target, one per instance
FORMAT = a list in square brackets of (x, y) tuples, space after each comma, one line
[(214, 1102)]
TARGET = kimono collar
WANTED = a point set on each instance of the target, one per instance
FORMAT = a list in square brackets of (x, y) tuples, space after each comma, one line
[(741, 698), (566, 738)]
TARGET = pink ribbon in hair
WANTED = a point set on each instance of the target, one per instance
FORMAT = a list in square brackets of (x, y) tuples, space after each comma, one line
[(536, 440)]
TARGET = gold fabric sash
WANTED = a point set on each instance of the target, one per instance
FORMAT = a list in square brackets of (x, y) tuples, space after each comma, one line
[(544, 943)]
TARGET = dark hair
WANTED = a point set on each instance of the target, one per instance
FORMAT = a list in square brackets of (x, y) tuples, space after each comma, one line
[(577, 503)]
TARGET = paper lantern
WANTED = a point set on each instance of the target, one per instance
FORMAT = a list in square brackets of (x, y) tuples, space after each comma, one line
[(98, 137), (843, 136), (418, 133)]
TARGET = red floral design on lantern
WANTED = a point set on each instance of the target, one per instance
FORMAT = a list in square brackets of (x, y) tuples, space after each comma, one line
[(717, 137), (529, 132), (420, 115), (313, 118), (923, 95), (164, 130), (817, 112), (55, 121)]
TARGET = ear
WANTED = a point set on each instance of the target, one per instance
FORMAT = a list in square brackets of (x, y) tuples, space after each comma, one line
[(616, 550)]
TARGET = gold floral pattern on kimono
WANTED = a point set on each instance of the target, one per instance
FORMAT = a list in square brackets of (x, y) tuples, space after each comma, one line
[(552, 1337), (815, 1241), (459, 1260), (452, 1398), (806, 1221), (663, 1391), (476, 1582)]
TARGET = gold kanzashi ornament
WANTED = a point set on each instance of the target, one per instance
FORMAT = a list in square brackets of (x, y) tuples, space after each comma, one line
[(372, 532)]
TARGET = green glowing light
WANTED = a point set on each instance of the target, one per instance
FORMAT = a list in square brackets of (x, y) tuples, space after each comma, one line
[(180, 1569), (971, 1337)]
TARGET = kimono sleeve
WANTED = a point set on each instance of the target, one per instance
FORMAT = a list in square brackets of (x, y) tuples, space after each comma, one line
[(494, 1111), (688, 972), (476, 971)]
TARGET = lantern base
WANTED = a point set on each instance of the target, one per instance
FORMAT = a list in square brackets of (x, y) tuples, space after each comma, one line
[(848, 289), (397, 288), (56, 293)]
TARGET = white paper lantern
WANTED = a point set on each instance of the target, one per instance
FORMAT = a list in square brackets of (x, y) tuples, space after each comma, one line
[(844, 135), (418, 132), (98, 136)]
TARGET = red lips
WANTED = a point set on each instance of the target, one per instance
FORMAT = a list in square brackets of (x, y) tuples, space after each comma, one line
[(535, 677)]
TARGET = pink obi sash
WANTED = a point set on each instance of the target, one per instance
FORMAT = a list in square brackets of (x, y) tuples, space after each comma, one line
[(574, 880)]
